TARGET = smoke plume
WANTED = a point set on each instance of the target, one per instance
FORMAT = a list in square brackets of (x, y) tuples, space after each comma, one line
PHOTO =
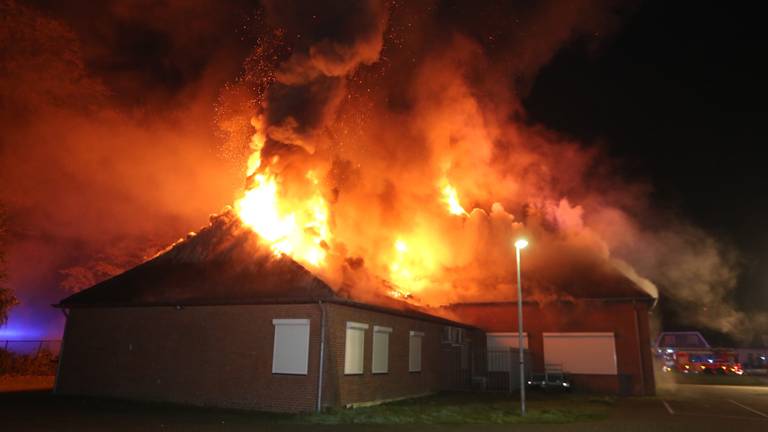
[(407, 100), (406, 121), (102, 162)]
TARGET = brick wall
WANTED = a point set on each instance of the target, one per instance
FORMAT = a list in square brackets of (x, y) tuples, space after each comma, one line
[(341, 389), (627, 320), (213, 356), (222, 356)]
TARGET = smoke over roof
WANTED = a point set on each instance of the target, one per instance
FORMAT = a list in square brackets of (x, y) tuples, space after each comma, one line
[(226, 263), (387, 102)]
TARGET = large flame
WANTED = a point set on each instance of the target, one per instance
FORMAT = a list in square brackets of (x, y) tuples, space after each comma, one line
[(451, 198), (300, 227), (297, 228), (414, 201)]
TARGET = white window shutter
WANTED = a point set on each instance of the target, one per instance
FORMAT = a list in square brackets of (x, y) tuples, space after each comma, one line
[(380, 349), (290, 354), (414, 351), (354, 348)]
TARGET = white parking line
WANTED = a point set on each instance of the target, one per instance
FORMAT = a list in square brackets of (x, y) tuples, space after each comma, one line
[(749, 409), (669, 408)]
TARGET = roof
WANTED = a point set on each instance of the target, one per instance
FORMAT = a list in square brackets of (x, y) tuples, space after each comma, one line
[(566, 275), (225, 264)]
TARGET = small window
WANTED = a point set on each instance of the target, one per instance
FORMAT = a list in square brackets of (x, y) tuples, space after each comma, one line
[(290, 353), (380, 349), (453, 335), (414, 351), (354, 349)]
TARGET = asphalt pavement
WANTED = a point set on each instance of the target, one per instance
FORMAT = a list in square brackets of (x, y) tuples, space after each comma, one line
[(717, 401)]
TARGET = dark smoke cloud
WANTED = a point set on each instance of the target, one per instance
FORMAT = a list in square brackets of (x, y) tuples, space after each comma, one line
[(109, 150), (332, 37), (330, 40)]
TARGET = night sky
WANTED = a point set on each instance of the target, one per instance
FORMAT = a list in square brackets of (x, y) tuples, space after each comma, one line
[(678, 96), (674, 95)]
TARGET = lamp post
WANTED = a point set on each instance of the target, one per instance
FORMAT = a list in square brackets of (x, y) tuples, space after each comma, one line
[(519, 245)]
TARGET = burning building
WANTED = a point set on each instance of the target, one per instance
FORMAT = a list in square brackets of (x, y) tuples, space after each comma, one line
[(376, 193), (219, 321)]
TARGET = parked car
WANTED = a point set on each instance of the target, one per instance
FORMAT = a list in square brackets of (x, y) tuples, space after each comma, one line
[(550, 381)]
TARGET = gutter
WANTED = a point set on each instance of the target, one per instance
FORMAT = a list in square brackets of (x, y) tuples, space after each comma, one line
[(321, 371), (639, 345)]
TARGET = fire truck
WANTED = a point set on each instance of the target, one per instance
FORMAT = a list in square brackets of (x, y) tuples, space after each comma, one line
[(712, 361), (689, 353)]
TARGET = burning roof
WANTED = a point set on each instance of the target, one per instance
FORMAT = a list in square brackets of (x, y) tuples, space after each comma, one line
[(223, 264), (227, 263), (348, 196)]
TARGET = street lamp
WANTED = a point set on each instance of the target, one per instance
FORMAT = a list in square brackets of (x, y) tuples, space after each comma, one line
[(519, 245)]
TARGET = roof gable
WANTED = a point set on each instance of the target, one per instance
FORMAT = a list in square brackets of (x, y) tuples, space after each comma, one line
[(223, 264)]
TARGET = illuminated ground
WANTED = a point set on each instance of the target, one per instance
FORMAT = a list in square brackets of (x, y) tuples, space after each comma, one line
[(684, 408)]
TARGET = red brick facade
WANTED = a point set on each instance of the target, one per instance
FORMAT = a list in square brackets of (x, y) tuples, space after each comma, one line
[(208, 355), (628, 321), (222, 356), (342, 390)]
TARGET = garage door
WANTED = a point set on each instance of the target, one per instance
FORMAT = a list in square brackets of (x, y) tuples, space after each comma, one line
[(581, 353)]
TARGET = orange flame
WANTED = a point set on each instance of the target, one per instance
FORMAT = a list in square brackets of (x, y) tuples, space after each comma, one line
[(297, 228), (451, 198)]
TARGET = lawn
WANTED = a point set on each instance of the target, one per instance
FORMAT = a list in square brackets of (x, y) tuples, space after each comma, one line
[(23, 409), (472, 408)]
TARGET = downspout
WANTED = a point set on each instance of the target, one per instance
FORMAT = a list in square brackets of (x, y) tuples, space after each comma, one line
[(322, 356), (61, 351), (639, 345)]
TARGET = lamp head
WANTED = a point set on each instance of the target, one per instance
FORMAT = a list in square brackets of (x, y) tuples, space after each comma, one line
[(521, 243)]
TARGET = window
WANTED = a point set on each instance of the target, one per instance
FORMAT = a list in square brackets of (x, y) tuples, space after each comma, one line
[(453, 335), (414, 351), (354, 349), (380, 349), (290, 353)]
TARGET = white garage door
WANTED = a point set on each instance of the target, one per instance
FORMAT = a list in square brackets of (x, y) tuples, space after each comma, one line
[(581, 353)]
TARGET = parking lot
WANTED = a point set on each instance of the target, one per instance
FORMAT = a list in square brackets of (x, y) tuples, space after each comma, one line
[(716, 401)]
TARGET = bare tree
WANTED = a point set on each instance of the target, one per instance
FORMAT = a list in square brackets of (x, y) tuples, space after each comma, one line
[(7, 298)]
